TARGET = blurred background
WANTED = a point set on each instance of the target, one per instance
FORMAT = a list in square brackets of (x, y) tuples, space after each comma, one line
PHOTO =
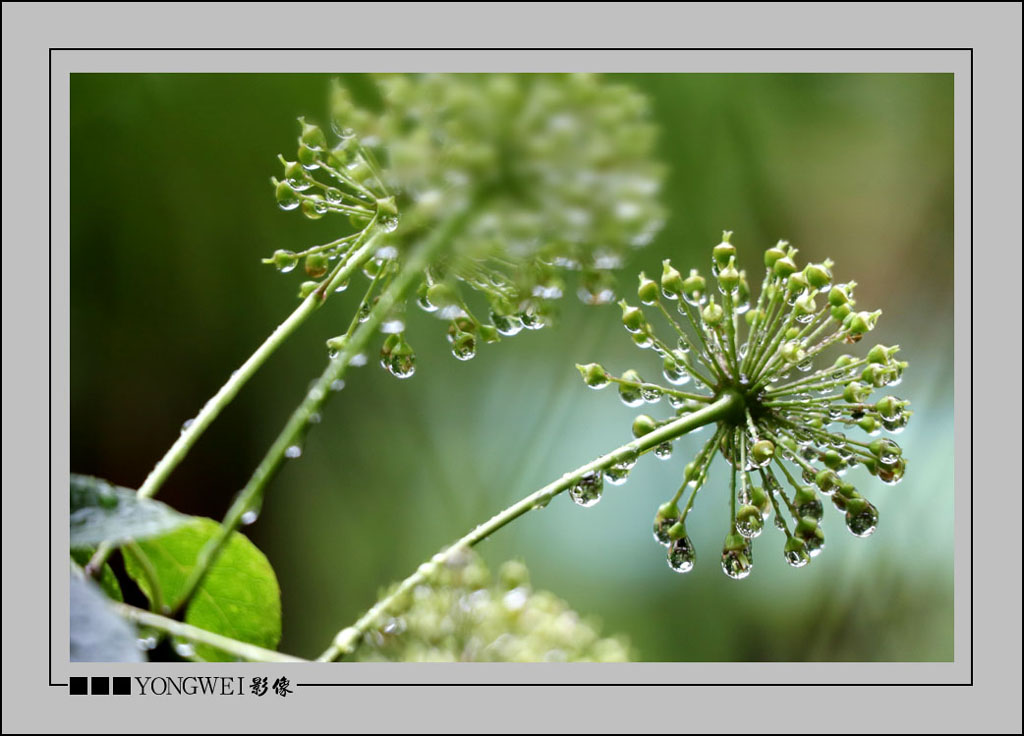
[(172, 209)]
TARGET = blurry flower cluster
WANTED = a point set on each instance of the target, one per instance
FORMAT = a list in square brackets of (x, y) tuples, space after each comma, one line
[(463, 615), (529, 176), (785, 442)]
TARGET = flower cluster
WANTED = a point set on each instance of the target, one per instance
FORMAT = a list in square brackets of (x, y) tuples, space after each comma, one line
[(543, 173), (461, 615), (784, 434)]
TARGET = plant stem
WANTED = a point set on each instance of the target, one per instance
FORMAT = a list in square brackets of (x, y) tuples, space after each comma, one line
[(249, 497), (244, 650), (345, 641), (230, 389)]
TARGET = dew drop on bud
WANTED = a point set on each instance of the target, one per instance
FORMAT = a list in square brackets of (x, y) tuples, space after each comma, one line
[(681, 555), (863, 521), (587, 491)]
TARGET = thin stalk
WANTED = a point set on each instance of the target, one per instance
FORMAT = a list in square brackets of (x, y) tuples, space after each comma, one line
[(177, 452), (346, 639), (396, 292), (241, 649)]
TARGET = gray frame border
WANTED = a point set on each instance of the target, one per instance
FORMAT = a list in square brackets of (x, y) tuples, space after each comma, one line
[(917, 709)]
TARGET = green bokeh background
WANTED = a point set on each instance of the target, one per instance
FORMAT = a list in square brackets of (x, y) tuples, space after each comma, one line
[(171, 211)]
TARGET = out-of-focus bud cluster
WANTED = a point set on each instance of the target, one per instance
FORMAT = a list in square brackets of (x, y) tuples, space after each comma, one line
[(463, 614), (544, 173), (791, 432)]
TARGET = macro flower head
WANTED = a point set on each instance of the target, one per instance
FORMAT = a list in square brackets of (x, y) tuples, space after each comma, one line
[(781, 412), (525, 177), (463, 613)]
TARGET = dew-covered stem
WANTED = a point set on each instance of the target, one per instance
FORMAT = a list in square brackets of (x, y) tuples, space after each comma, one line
[(347, 639), (250, 497), (240, 649), (195, 428)]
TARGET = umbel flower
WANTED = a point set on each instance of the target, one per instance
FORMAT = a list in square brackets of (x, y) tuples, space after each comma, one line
[(780, 423), (461, 614), (524, 177)]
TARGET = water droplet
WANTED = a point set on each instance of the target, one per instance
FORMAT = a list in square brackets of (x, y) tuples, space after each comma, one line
[(617, 474), (249, 517), (392, 326), (651, 394), (863, 521), (630, 394), (542, 504), (812, 509), (587, 491), (337, 384), (464, 346), (749, 521), (737, 563), (186, 424), (358, 360), (293, 452), (682, 555), (664, 450), (333, 195), (341, 287), (389, 224), (184, 649), (146, 643), (661, 527), (797, 557)]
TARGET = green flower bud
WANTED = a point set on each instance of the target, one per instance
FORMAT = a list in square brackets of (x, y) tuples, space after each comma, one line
[(317, 264), (889, 407), (819, 275), (784, 267), (633, 318), (489, 334), (284, 260), (593, 375), (840, 313), (793, 352), (308, 157), (724, 251), (307, 287), (827, 481), (647, 292), (869, 424), (863, 322), (643, 424), (762, 452), (694, 287), (671, 281), (796, 284), (729, 278), (311, 135), (774, 253), (713, 313), (856, 392)]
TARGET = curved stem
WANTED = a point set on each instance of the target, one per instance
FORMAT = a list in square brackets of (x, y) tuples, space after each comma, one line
[(396, 292), (177, 452), (346, 640), (244, 650)]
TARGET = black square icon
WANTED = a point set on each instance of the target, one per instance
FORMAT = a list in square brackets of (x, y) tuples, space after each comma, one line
[(100, 686), (122, 686), (79, 686)]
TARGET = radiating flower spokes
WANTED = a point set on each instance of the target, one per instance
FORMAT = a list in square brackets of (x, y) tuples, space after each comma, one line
[(790, 430)]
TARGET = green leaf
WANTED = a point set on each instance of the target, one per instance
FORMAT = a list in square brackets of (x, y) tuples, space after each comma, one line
[(108, 580), (97, 633), (239, 597), (101, 512)]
